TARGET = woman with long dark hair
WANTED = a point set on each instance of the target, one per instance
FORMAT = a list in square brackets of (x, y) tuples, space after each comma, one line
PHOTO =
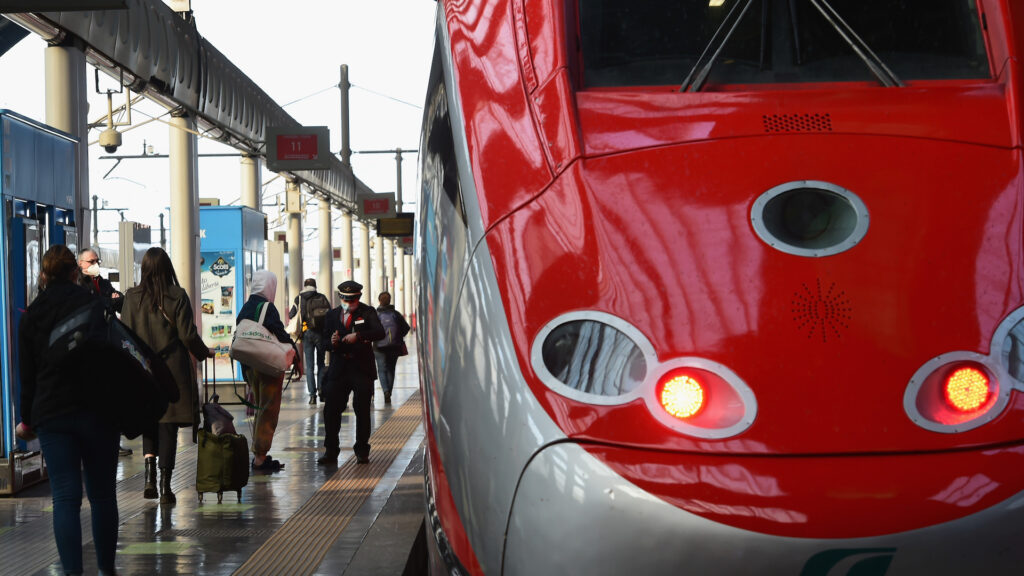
[(65, 407), (160, 312)]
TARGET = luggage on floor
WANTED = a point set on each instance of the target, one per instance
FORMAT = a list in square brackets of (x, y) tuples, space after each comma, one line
[(222, 464)]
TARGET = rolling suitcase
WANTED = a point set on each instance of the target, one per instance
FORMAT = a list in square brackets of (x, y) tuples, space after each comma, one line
[(222, 462)]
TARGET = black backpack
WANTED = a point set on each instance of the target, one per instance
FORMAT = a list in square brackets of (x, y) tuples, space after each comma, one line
[(315, 314), (136, 381)]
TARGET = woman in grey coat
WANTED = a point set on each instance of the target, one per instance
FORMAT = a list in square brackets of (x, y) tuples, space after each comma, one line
[(159, 311)]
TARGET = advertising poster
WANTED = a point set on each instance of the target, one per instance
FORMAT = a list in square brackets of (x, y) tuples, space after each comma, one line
[(217, 277)]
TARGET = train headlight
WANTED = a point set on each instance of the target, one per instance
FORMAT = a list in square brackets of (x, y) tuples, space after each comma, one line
[(681, 395), (955, 392)]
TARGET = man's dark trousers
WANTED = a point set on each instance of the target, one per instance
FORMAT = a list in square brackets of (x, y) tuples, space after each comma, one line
[(360, 385)]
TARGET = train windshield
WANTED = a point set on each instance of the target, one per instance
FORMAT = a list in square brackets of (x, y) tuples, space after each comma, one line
[(694, 44)]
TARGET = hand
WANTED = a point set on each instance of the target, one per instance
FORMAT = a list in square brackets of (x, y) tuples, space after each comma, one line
[(350, 338), (211, 352), (115, 295), (24, 432), (334, 338)]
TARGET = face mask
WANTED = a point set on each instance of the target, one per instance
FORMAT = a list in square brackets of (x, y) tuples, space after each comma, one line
[(93, 270)]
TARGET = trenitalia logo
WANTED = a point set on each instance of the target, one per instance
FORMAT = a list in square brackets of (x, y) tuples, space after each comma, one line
[(850, 562)]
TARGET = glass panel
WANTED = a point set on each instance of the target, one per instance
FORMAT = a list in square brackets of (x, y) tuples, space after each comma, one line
[(658, 42)]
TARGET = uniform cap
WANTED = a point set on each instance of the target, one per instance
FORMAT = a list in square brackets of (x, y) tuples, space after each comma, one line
[(350, 288)]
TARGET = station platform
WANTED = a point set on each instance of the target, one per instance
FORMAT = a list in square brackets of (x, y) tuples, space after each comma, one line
[(306, 519)]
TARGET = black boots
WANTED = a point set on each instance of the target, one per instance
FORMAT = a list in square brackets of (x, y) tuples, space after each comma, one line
[(166, 496), (149, 492)]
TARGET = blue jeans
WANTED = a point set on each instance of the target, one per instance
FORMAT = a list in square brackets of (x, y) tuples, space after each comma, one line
[(386, 363), (73, 444), (312, 343)]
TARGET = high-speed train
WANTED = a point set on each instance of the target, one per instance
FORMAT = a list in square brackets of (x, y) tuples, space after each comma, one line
[(724, 287)]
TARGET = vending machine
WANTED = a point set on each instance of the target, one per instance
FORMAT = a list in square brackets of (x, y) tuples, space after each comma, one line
[(232, 247), (37, 191)]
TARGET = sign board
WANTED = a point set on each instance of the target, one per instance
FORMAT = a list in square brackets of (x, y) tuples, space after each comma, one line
[(376, 206), (405, 243), (293, 199), (401, 225), (298, 148)]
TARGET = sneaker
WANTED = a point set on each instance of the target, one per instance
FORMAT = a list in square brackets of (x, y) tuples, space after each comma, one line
[(312, 400), (268, 464), (122, 451)]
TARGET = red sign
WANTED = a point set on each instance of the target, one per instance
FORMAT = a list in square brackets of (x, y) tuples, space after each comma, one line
[(297, 147), (372, 207)]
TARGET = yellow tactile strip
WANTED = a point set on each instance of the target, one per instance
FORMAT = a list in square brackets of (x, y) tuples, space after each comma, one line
[(303, 541)]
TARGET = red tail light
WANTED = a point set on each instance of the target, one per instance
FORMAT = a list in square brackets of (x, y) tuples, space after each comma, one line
[(682, 396), (966, 389)]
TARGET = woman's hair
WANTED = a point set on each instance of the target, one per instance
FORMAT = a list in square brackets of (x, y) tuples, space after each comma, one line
[(157, 275), (58, 265)]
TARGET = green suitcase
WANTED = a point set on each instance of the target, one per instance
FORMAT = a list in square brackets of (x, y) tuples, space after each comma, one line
[(222, 464)]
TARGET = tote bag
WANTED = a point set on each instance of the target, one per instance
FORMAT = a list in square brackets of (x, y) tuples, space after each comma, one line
[(257, 348)]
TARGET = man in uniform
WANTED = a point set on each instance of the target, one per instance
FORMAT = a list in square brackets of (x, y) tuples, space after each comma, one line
[(351, 328)]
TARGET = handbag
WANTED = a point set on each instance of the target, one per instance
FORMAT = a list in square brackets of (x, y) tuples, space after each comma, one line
[(257, 348)]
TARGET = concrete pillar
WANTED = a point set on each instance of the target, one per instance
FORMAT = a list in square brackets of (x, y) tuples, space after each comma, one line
[(251, 185), (364, 260), (325, 278), (389, 266), (66, 109), (184, 185), (347, 266), (378, 257), (409, 300), (295, 275)]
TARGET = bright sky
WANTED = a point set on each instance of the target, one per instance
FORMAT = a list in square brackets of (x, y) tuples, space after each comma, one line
[(293, 50)]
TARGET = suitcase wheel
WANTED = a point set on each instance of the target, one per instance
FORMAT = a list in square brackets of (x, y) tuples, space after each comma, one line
[(239, 492), (220, 497)]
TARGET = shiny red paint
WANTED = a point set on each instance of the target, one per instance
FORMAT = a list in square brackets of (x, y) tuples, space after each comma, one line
[(826, 497), (648, 219)]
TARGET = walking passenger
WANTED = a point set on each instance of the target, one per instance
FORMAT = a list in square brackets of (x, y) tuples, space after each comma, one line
[(312, 308), (160, 312), (266, 387), (77, 434), (388, 349), (352, 327)]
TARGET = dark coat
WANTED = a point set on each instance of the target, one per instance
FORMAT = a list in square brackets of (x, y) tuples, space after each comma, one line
[(102, 287), (358, 355), (48, 391), (174, 337)]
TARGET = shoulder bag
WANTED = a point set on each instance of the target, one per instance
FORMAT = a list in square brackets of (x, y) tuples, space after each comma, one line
[(257, 348)]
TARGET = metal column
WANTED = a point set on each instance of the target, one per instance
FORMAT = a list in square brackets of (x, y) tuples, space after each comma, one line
[(389, 267), (325, 279), (294, 248), (67, 109), (251, 185), (184, 163), (378, 262)]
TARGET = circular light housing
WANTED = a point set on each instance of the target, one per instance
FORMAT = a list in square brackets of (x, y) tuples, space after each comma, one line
[(682, 396), (966, 389)]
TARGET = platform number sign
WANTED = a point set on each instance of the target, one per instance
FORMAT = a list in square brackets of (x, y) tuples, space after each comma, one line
[(298, 148)]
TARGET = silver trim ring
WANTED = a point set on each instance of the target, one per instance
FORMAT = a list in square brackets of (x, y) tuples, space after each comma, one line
[(646, 390), (851, 239)]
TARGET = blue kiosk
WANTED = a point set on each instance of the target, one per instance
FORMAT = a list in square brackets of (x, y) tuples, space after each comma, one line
[(37, 187), (232, 247)]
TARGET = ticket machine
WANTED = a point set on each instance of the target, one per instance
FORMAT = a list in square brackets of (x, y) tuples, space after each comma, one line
[(37, 191)]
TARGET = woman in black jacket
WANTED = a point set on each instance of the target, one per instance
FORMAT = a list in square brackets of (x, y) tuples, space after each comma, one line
[(160, 312), (64, 405)]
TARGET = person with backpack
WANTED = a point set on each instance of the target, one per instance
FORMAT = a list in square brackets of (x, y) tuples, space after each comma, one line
[(312, 308), (387, 350), (60, 404)]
